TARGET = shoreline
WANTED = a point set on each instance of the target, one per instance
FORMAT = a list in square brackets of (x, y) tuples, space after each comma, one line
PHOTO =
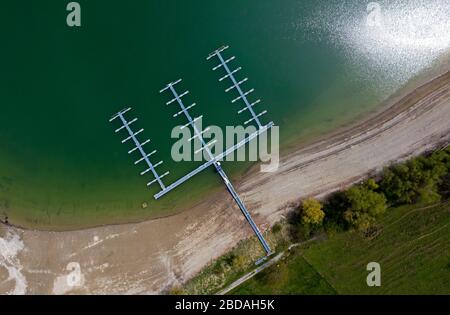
[(400, 106), (150, 256), (386, 108)]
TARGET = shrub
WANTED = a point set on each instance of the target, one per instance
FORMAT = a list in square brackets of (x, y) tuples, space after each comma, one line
[(177, 290), (277, 228)]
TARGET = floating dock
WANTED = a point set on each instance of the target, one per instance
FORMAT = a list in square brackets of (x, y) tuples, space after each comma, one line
[(177, 98)]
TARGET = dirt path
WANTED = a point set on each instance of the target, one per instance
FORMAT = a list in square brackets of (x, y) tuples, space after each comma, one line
[(251, 274), (152, 256)]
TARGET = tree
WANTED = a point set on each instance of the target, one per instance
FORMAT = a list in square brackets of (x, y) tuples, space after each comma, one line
[(399, 185), (365, 205), (416, 180), (311, 212), (335, 208)]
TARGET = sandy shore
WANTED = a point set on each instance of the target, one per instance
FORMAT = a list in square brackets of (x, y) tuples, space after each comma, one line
[(151, 256)]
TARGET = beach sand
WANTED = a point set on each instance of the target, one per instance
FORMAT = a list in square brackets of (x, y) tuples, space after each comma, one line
[(149, 257)]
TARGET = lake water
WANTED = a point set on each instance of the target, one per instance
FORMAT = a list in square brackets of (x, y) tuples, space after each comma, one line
[(314, 64)]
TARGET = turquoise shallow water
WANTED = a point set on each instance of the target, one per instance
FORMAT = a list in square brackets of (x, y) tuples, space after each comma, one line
[(62, 166)]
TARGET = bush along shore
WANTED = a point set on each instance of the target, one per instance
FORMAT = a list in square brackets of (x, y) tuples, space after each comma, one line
[(421, 180)]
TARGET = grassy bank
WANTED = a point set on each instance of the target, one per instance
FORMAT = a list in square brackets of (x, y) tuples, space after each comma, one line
[(400, 219), (412, 247), (293, 275)]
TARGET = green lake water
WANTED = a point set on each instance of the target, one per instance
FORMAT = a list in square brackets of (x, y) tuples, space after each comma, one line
[(61, 164)]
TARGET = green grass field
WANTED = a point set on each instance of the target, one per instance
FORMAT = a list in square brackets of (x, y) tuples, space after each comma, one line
[(292, 276), (412, 246)]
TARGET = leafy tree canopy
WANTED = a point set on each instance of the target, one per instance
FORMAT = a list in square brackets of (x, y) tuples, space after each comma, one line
[(312, 212), (365, 205)]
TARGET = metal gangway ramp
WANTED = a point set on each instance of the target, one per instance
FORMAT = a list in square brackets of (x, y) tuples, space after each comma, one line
[(211, 159)]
